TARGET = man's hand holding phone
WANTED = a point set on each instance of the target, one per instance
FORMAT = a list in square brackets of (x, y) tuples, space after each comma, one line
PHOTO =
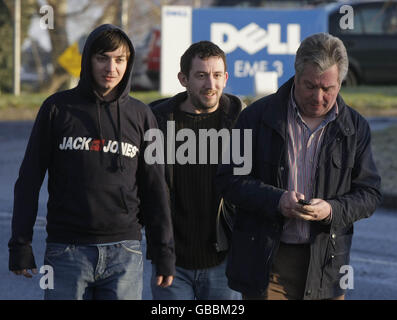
[(304, 202), (293, 205)]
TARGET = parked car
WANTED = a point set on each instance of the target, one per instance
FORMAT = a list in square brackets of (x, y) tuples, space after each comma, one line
[(372, 43), (145, 74)]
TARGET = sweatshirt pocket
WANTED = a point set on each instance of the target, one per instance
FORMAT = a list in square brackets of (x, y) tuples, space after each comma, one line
[(100, 206)]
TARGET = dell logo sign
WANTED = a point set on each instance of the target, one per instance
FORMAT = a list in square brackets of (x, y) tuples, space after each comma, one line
[(252, 38)]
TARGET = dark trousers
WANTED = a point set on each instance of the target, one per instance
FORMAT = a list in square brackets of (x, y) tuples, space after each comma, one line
[(289, 272)]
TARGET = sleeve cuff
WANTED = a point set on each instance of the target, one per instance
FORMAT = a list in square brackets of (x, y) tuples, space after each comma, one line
[(165, 267), (21, 258), (328, 219)]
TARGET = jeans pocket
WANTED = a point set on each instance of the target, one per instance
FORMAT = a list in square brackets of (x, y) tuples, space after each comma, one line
[(133, 246), (56, 249)]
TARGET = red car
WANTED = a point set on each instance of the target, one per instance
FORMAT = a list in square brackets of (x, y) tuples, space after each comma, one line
[(146, 71)]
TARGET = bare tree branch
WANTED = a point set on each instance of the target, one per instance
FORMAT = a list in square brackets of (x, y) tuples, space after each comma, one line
[(80, 11), (110, 13), (59, 42)]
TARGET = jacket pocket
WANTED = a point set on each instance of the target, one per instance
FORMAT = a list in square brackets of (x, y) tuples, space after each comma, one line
[(339, 173), (337, 256), (249, 260), (56, 249), (99, 207), (101, 198), (339, 162), (132, 246)]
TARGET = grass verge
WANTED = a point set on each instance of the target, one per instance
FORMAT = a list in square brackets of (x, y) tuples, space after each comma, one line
[(370, 101), (26, 106), (384, 144)]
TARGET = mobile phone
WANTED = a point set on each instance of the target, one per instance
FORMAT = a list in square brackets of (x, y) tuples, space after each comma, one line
[(303, 202)]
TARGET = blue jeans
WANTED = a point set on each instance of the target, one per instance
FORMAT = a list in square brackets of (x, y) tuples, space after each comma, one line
[(103, 272), (200, 284)]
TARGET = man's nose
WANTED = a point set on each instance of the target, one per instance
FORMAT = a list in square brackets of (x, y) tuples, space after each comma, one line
[(318, 95), (111, 65), (210, 82)]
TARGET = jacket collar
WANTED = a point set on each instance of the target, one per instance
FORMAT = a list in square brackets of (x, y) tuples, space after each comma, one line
[(229, 105)]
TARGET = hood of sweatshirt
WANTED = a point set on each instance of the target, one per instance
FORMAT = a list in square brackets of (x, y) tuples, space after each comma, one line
[(86, 82)]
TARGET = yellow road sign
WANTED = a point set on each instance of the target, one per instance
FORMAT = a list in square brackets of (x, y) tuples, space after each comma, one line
[(70, 60)]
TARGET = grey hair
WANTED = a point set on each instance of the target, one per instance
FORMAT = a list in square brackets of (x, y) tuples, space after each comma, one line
[(322, 50)]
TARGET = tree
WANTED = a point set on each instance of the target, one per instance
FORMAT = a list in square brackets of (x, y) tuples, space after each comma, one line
[(59, 42), (59, 38), (5, 49), (62, 14), (6, 36)]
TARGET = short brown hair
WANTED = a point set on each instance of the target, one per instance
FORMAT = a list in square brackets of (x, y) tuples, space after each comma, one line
[(108, 41), (203, 50)]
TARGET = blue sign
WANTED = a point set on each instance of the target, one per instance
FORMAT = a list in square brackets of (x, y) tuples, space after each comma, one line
[(257, 40)]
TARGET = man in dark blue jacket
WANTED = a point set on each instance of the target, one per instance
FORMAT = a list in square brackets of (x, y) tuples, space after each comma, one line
[(312, 177), (101, 191)]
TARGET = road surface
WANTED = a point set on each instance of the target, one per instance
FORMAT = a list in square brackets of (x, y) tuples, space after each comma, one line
[(373, 256)]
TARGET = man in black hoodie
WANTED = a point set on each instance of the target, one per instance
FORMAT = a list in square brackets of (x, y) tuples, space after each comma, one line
[(101, 191), (201, 219)]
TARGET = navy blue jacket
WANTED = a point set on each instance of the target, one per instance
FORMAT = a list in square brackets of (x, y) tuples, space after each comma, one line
[(346, 177)]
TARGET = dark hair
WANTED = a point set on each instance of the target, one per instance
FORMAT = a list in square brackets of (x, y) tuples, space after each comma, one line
[(203, 50), (108, 41)]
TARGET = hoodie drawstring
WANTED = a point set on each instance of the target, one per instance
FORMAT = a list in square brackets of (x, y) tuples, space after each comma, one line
[(99, 126), (120, 158)]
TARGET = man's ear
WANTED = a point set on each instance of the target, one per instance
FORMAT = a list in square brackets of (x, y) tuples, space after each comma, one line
[(226, 77), (182, 79)]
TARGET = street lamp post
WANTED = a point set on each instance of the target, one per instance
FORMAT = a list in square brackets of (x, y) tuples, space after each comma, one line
[(124, 14), (17, 48)]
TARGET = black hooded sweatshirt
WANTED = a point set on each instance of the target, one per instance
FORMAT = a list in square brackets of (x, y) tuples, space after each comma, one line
[(100, 188)]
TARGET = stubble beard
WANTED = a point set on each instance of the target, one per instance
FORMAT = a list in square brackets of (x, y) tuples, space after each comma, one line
[(199, 105)]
